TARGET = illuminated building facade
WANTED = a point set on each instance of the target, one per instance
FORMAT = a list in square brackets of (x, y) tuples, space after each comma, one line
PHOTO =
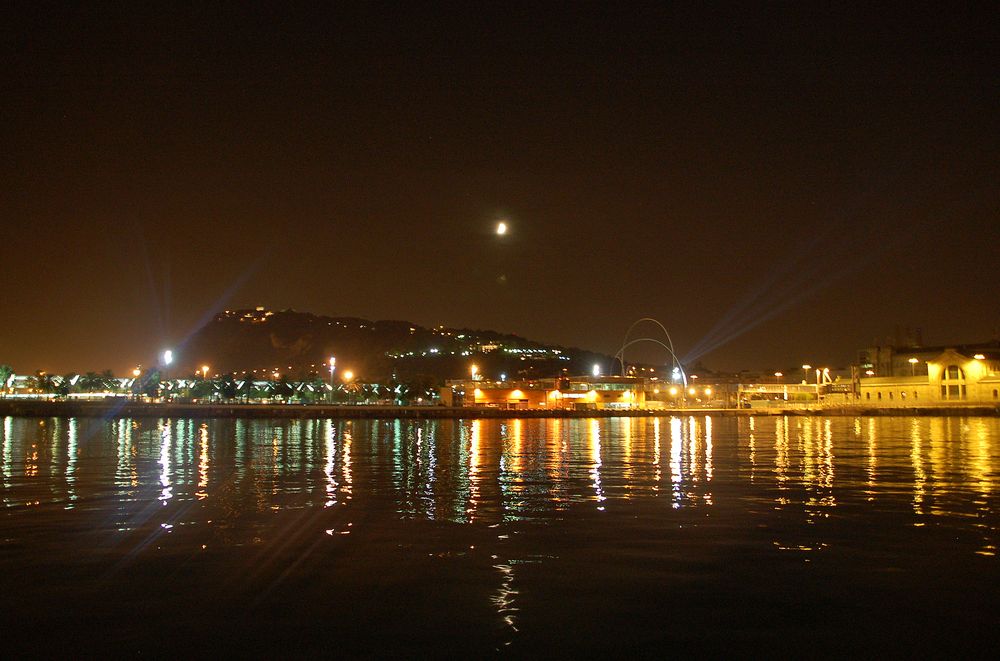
[(950, 378), (580, 393)]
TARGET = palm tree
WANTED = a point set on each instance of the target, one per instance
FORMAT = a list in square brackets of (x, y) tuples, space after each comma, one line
[(6, 371), (92, 382)]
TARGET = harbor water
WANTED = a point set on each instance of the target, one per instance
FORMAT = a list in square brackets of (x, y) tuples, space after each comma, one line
[(789, 536)]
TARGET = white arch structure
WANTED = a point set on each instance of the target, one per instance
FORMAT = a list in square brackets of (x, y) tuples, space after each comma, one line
[(669, 346)]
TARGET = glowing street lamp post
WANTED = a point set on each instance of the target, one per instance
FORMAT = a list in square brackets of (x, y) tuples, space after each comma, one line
[(168, 359), (333, 367), (913, 366), (348, 377)]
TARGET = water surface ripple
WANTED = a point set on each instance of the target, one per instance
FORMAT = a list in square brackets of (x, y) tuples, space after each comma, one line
[(795, 536)]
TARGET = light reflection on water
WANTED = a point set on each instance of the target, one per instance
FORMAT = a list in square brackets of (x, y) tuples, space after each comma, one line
[(804, 487)]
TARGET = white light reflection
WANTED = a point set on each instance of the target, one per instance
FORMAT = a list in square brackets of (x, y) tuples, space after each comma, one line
[(676, 440), (692, 450), (125, 473), (7, 455), (474, 477), (203, 462), (656, 454), (708, 448), (348, 475), (71, 451), (504, 597), (595, 461), (331, 454), (166, 492)]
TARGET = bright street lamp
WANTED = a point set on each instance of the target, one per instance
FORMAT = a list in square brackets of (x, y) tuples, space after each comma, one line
[(913, 365), (474, 370), (204, 371), (168, 357), (333, 367), (596, 370)]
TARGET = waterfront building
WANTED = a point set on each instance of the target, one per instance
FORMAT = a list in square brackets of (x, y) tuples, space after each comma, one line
[(583, 393), (952, 377)]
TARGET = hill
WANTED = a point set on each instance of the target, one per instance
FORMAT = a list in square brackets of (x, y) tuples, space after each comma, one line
[(299, 343)]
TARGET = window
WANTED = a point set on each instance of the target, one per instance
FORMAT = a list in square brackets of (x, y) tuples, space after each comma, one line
[(868, 395), (902, 394), (916, 395), (878, 395), (890, 395), (996, 393), (953, 383)]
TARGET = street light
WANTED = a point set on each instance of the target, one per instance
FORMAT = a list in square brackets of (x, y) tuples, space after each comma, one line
[(204, 371), (805, 373), (333, 366), (348, 375), (913, 365), (777, 376), (596, 370), (474, 370)]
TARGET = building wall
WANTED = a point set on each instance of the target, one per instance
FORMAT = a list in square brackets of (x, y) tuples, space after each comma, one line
[(951, 379)]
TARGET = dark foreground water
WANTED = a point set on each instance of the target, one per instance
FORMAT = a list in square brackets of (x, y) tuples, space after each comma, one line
[(657, 537)]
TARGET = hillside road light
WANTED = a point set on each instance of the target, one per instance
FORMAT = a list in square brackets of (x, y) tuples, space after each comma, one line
[(168, 357)]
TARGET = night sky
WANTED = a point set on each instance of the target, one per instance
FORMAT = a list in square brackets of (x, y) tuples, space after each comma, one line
[(777, 184)]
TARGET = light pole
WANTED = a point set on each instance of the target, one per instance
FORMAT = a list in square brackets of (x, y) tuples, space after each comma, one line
[(333, 367), (805, 373), (168, 359), (474, 371), (348, 376), (913, 366), (777, 377)]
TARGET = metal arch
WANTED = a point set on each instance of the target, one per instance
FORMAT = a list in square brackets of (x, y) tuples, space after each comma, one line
[(625, 343), (662, 328), (621, 353)]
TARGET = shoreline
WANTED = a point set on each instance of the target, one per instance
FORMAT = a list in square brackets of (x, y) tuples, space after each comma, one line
[(132, 409)]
